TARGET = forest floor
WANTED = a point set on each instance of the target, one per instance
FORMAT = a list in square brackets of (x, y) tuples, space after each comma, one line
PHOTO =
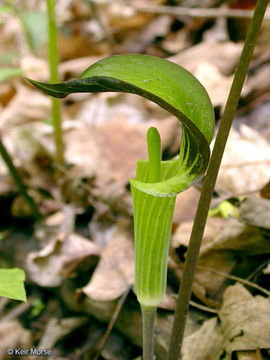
[(79, 260)]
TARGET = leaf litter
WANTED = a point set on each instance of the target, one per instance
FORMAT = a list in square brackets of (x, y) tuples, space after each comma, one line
[(88, 256)]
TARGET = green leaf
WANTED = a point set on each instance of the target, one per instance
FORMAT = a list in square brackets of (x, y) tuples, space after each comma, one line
[(12, 284), (224, 209), (37, 307), (168, 85), (7, 73), (153, 217)]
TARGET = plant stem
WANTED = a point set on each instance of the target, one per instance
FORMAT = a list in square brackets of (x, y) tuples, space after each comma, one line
[(209, 184), (18, 180), (148, 317), (53, 64)]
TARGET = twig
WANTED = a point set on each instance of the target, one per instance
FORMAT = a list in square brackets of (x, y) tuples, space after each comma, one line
[(226, 195), (199, 12), (259, 268), (18, 310), (189, 12), (209, 183), (236, 278), (246, 163), (3, 303), (104, 338), (203, 307)]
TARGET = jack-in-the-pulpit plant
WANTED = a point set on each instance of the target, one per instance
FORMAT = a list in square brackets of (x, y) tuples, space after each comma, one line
[(157, 182)]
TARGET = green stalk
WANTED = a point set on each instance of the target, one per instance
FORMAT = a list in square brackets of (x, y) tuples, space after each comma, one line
[(209, 184), (53, 64), (148, 317), (18, 180)]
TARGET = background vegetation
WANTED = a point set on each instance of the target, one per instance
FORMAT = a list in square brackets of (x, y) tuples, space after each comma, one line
[(79, 259)]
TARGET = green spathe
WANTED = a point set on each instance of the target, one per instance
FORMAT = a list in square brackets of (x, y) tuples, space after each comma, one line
[(153, 217)]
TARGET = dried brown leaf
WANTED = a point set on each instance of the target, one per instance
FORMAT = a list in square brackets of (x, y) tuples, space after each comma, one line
[(26, 106), (243, 327), (54, 262), (56, 329), (212, 63), (13, 335), (205, 343), (255, 210), (115, 271), (245, 321), (243, 167)]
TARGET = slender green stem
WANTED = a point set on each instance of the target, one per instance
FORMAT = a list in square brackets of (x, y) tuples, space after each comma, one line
[(154, 154), (209, 183), (148, 317), (53, 63), (18, 180)]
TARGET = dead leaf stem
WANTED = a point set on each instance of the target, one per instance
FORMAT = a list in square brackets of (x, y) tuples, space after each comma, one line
[(236, 278), (18, 310), (203, 307), (18, 180), (116, 312), (189, 12)]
